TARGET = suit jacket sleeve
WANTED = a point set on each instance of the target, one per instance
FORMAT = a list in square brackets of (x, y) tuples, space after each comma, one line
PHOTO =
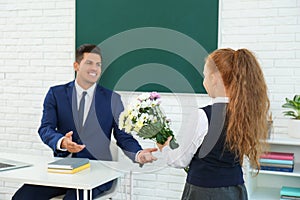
[(48, 127), (125, 141)]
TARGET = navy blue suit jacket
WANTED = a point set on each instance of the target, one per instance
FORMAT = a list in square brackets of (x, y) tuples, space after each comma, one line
[(58, 120)]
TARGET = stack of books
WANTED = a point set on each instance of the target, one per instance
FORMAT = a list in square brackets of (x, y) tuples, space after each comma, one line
[(68, 165), (277, 161), (288, 193)]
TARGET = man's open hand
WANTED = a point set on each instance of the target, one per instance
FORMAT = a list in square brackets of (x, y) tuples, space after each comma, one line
[(71, 146), (145, 156)]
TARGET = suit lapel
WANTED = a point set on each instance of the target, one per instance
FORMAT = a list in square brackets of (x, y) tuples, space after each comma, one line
[(69, 91), (101, 106), (72, 100)]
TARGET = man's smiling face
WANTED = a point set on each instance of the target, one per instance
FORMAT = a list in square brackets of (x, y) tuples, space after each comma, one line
[(88, 70)]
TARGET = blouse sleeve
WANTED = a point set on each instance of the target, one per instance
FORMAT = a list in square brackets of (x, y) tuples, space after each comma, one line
[(192, 138)]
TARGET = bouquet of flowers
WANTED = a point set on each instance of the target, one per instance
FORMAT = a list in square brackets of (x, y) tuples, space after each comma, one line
[(144, 117)]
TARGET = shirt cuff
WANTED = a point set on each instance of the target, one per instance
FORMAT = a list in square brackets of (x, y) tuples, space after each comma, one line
[(166, 149), (136, 156), (58, 145)]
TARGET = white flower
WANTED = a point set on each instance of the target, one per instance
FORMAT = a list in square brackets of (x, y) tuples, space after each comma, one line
[(128, 125), (154, 120), (135, 104), (150, 118), (144, 117), (145, 104), (135, 113), (144, 96), (139, 124), (121, 120)]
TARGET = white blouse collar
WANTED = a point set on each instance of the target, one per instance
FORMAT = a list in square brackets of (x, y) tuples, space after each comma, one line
[(220, 100)]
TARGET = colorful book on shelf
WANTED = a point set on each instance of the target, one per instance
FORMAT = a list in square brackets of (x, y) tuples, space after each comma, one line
[(289, 198), (276, 165), (278, 155), (68, 165), (290, 191), (275, 161), (280, 169)]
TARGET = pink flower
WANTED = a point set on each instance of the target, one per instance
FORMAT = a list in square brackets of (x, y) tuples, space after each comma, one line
[(154, 96)]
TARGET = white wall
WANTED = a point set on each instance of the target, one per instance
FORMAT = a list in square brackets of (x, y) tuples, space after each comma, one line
[(271, 28), (37, 51)]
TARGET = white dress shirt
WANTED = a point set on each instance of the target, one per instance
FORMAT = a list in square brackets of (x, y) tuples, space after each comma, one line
[(88, 98), (194, 134)]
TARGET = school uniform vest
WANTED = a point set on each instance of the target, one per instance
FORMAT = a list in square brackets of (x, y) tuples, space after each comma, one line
[(90, 134), (213, 165)]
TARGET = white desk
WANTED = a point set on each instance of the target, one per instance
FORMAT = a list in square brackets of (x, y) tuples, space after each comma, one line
[(98, 174)]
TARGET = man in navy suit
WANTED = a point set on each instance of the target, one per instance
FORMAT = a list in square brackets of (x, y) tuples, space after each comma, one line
[(68, 133)]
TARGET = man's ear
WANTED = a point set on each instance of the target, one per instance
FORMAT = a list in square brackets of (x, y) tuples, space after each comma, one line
[(76, 66)]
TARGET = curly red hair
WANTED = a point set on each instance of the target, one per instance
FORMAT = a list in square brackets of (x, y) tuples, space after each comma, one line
[(249, 103)]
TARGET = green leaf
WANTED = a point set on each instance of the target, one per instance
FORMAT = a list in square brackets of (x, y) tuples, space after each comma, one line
[(290, 113), (150, 131), (297, 98), (294, 105), (186, 169), (160, 138), (146, 132), (173, 144), (288, 105)]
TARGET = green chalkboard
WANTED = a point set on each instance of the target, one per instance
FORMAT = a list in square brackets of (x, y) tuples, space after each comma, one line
[(157, 45)]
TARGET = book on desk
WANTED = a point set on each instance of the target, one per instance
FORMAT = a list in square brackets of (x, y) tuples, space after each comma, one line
[(68, 165)]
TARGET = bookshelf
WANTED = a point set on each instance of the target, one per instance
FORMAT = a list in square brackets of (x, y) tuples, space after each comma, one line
[(267, 184)]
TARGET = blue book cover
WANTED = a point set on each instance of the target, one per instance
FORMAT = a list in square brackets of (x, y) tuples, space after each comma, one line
[(290, 191), (281, 169), (287, 162)]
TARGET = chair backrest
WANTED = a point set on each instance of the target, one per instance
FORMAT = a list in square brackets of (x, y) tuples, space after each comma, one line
[(114, 149)]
